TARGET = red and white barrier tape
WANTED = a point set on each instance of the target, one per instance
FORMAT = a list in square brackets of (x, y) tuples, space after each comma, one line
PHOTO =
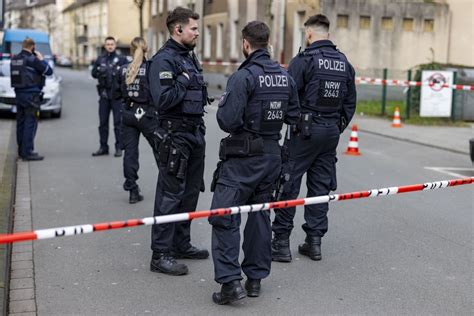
[(90, 228), (405, 83), (366, 80)]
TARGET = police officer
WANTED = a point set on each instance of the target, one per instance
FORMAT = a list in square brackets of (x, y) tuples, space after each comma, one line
[(105, 70), (327, 94), (179, 93), (28, 71), (139, 115), (259, 98)]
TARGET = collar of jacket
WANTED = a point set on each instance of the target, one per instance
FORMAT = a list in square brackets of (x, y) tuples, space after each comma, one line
[(321, 43), (259, 54), (180, 49)]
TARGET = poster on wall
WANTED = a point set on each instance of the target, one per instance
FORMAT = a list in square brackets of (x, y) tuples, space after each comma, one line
[(436, 98)]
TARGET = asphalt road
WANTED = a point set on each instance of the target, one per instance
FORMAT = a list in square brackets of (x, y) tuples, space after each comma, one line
[(405, 254)]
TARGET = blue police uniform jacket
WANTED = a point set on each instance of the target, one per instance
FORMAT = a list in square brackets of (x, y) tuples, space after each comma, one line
[(325, 81), (28, 72), (107, 68), (259, 98), (138, 91), (173, 94)]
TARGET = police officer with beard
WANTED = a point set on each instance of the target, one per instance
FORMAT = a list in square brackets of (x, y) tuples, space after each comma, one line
[(326, 88), (139, 115), (179, 94), (106, 70), (28, 71), (259, 98)]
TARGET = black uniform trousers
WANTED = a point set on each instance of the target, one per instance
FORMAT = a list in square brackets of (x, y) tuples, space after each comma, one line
[(107, 104), (131, 130), (175, 195), (243, 181), (26, 121), (316, 157)]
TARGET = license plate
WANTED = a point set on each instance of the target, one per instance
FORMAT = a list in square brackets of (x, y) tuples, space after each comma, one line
[(14, 109)]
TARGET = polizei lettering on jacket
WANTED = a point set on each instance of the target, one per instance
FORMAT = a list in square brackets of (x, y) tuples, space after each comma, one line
[(270, 81), (331, 64)]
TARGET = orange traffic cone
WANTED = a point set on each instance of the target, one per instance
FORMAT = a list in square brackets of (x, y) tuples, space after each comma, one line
[(353, 148), (396, 118)]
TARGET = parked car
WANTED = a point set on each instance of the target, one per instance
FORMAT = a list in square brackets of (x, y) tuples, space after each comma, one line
[(12, 41), (63, 61)]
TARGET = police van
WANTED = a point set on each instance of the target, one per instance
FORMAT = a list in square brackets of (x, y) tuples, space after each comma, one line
[(11, 45)]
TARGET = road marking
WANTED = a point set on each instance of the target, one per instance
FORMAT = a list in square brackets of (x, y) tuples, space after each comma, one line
[(454, 174)]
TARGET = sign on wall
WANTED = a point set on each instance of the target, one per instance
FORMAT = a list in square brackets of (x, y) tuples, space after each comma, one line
[(436, 99)]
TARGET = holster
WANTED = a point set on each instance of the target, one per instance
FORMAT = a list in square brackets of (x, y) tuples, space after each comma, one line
[(215, 176), (240, 145), (306, 121)]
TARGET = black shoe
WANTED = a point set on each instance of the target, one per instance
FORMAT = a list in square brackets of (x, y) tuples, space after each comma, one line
[(101, 152), (32, 158), (252, 286), (190, 253), (311, 248), (230, 292), (164, 263), (118, 153), (135, 196), (281, 248)]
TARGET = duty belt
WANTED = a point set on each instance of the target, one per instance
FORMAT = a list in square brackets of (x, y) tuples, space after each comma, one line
[(179, 125)]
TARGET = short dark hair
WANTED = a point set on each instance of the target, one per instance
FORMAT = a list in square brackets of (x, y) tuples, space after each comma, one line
[(257, 34), (180, 15), (28, 43), (109, 38), (318, 20)]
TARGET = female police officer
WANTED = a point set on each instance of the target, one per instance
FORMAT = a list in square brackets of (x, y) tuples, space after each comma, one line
[(139, 115)]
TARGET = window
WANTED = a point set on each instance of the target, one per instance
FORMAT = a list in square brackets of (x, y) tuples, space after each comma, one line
[(387, 23), (342, 21), (160, 6), (428, 25), (31, 2), (234, 54), (298, 31), (154, 7), (207, 42), (220, 29), (408, 24), (161, 39), (364, 22)]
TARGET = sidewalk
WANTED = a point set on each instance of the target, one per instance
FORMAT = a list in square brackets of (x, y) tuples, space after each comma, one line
[(454, 139)]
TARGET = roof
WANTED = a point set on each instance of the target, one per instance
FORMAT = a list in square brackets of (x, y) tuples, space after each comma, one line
[(78, 4), (21, 5), (18, 35)]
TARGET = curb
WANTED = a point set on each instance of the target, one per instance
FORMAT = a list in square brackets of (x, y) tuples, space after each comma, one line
[(415, 142), (22, 296)]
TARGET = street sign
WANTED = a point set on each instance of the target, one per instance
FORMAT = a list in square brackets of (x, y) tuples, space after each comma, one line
[(436, 96)]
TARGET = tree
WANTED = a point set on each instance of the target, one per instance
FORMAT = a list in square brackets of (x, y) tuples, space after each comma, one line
[(140, 4)]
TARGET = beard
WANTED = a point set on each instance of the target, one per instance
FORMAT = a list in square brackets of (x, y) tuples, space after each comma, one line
[(246, 54), (190, 45)]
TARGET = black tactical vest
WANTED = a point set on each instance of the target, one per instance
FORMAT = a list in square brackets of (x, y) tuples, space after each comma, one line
[(138, 91), (268, 104), (23, 76), (194, 101), (109, 71), (327, 85)]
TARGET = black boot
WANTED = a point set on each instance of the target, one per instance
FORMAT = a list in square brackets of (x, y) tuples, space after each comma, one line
[(165, 263), (190, 253), (281, 248), (135, 196), (118, 153), (230, 292), (252, 286), (311, 248), (102, 151)]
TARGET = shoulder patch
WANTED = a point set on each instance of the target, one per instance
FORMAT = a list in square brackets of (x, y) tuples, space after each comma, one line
[(223, 98), (166, 75)]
